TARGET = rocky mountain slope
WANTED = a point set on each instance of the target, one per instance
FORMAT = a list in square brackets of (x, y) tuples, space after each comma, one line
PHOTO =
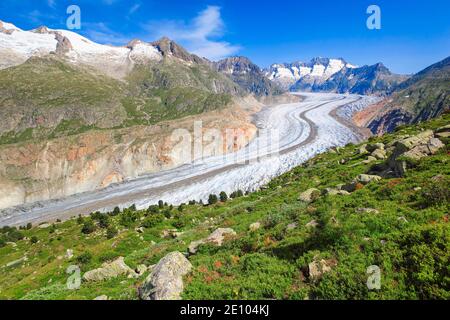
[(69, 107), (423, 96), (334, 75), (248, 75), (50, 88), (316, 232)]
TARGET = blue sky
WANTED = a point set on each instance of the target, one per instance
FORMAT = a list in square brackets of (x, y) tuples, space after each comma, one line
[(414, 34)]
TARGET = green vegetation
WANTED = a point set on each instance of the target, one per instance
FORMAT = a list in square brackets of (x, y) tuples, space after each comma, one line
[(50, 98), (406, 234)]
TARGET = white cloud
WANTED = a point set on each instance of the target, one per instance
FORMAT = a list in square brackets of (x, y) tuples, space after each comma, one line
[(51, 3), (134, 8), (199, 36)]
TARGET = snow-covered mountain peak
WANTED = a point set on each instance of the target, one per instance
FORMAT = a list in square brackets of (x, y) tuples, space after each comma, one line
[(8, 26), (17, 46), (317, 70)]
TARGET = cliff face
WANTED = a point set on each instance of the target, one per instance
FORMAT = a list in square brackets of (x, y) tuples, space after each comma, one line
[(248, 75), (424, 96), (31, 172)]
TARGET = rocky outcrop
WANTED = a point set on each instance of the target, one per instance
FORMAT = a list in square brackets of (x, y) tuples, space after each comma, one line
[(309, 195), (424, 96), (407, 151), (166, 280), (31, 172), (254, 226), (360, 180), (109, 270), (443, 132), (318, 268), (216, 238)]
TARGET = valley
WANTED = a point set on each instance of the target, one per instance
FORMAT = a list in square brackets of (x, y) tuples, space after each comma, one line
[(305, 129)]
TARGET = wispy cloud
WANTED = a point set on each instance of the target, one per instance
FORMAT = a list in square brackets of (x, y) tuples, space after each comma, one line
[(134, 8), (101, 33), (51, 3), (200, 35)]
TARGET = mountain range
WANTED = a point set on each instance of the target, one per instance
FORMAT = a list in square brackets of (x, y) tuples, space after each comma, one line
[(424, 96), (81, 115), (334, 75)]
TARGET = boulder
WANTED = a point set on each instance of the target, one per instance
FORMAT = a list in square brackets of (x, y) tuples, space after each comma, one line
[(291, 226), (139, 230), (375, 146), (335, 192), (166, 280), (367, 178), (409, 150), (69, 254), (410, 142), (379, 154), (102, 297), (318, 268), (312, 224), (216, 238), (367, 210), (363, 149), (109, 270), (309, 195), (255, 226), (369, 160), (169, 233), (443, 132)]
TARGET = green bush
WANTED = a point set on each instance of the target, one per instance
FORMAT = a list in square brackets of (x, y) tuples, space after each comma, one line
[(88, 227), (84, 258), (129, 217), (153, 209), (111, 232), (153, 220)]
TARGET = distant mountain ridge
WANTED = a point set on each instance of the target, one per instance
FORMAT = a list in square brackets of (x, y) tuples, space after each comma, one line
[(334, 75), (424, 96), (51, 79), (317, 70), (248, 75)]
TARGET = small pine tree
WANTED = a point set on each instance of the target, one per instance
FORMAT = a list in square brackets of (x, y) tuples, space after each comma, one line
[(212, 199), (160, 204), (116, 211), (153, 209), (223, 196), (80, 219)]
